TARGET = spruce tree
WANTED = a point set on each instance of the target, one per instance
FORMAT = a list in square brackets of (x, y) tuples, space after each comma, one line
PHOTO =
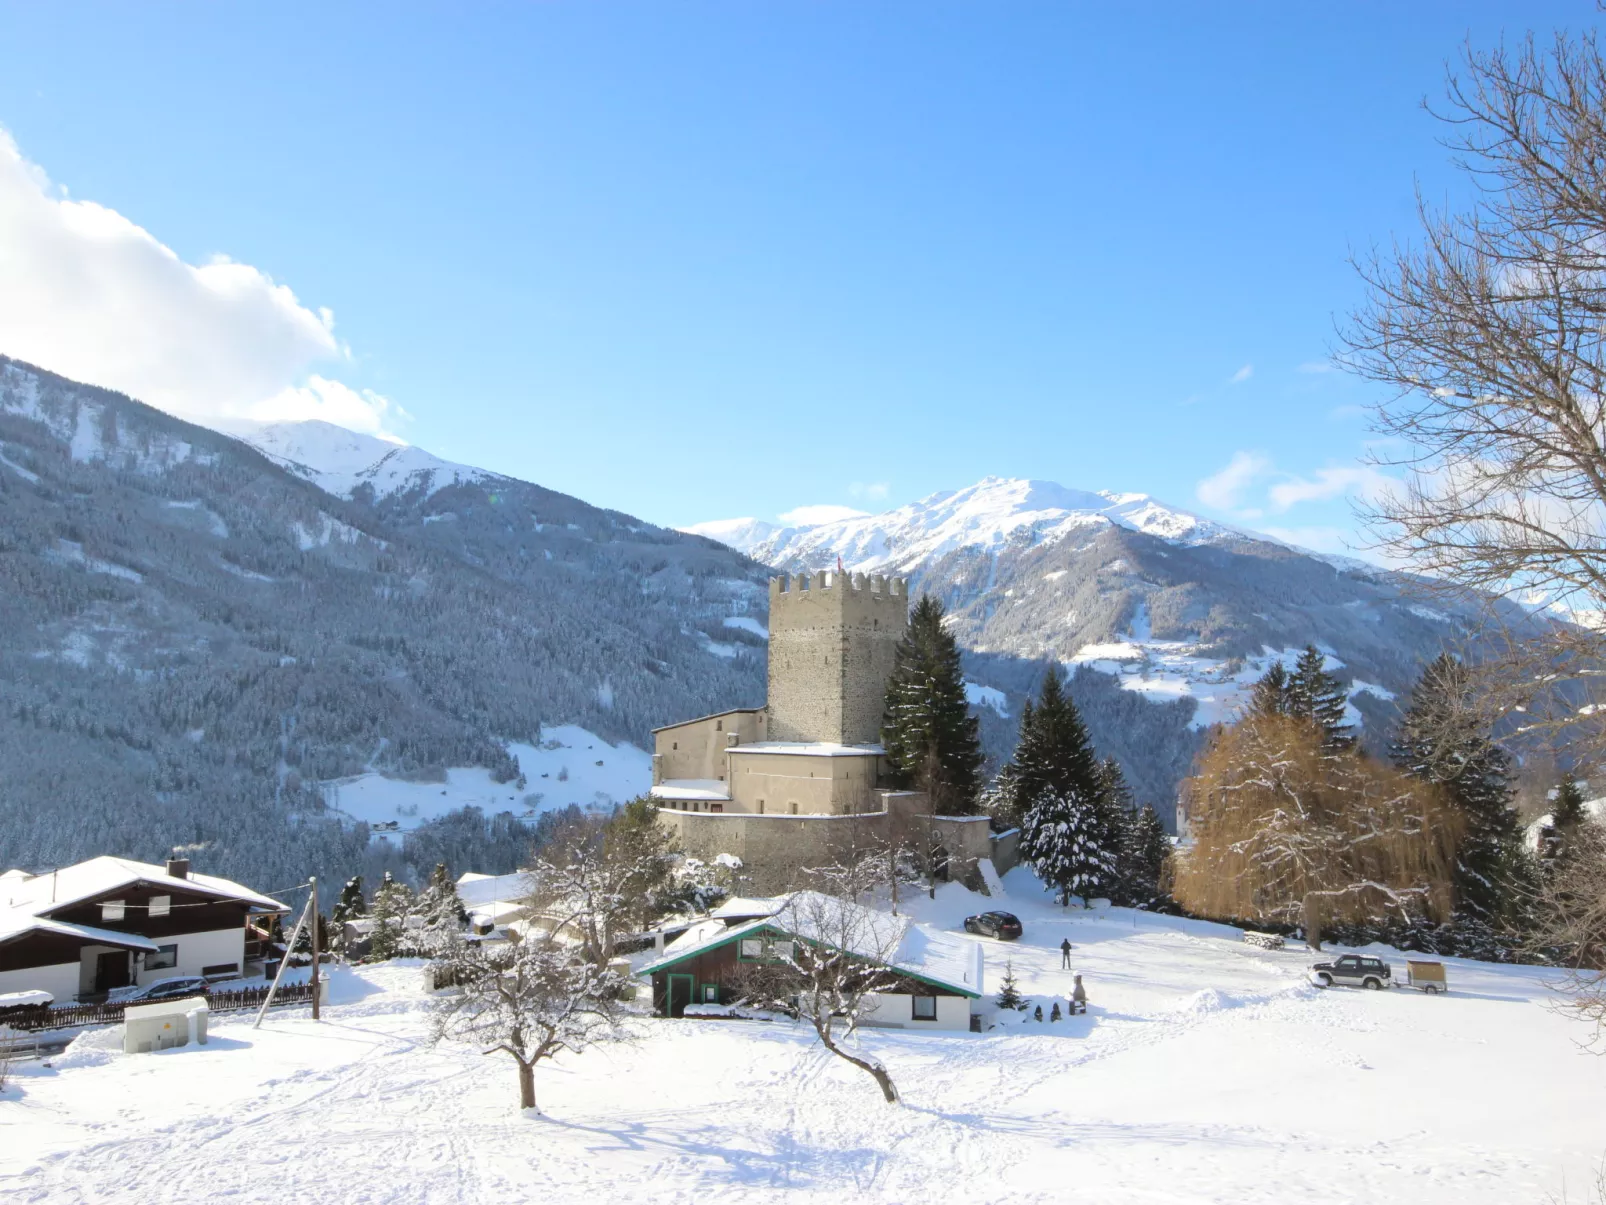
[(391, 907), (1316, 695), (1567, 813), (1441, 740), (1145, 854), (442, 912), (349, 906), (1271, 693), (1009, 991), (1062, 838), (1053, 751), (931, 738)]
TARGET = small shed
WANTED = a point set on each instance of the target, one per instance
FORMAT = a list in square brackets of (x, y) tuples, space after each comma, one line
[(164, 1025)]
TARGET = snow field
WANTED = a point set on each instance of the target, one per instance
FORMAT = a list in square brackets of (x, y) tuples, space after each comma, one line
[(1206, 1071), (559, 771)]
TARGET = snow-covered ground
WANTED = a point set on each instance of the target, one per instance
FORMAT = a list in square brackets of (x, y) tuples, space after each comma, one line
[(1206, 1071), (570, 765)]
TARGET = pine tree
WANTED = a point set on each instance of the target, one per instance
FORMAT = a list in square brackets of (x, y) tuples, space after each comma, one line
[(1567, 813), (1053, 751), (931, 738), (1009, 992), (1271, 693), (1145, 858), (442, 913), (392, 904), (1441, 740), (1315, 695), (349, 906), (1062, 838)]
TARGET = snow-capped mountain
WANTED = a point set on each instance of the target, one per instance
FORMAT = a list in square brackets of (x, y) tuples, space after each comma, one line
[(996, 513), (1173, 616), (341, 461)]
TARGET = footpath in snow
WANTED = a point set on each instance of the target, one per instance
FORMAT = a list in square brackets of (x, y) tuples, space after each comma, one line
[(1206, 1071)]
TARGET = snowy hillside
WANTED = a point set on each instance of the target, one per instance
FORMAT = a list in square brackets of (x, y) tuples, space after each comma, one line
[(341, 461), (1206, 1071), (995, 513)]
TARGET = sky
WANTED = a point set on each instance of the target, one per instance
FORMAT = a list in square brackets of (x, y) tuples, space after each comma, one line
[(703, 260)]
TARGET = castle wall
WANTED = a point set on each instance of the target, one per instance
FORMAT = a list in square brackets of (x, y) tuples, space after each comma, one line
[(833, 642), (696, 748), (799, 784)]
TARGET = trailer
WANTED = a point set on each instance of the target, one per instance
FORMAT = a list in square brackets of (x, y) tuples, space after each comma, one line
[(1426, 976)]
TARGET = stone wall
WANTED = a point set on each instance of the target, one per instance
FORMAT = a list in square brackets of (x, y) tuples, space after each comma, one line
[(793, 783), (833, 639), (696, 748)]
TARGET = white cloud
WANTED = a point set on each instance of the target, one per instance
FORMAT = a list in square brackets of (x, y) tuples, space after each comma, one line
[(1328, 484), (89, 294), (1226, 488), (875, 491), (813, 516), (1242, 375)]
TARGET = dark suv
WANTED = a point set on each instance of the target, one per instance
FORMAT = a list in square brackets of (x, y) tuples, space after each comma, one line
[(1002, 925), (1353, 970)]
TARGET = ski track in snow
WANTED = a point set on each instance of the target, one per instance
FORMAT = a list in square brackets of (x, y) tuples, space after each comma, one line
[(1206, 1071)]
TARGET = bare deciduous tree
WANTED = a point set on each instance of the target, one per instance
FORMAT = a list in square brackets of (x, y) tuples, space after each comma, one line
[(1491, 333), (829, 969), (1289, 831), (531, 1000), (1572, 906)]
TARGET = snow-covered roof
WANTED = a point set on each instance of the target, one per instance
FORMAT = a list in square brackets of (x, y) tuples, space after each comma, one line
[(809, 749), (24, 999), (927, 954), (740, 907), (17, 922), (45, 893), (691, 788), (480, 889)]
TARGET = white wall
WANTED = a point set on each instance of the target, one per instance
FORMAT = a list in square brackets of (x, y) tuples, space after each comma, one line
[(198, 950), (61, 981), (895, 1010)]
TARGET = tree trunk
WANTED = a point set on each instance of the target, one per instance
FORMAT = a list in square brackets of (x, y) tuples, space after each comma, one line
[(526, 1085), (876, 1070), (1313, 924)]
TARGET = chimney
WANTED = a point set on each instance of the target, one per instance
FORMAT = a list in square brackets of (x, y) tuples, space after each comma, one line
[(178, 868)]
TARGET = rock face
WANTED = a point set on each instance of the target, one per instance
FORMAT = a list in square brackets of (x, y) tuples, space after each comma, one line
[(194, 632), (1163, 618)]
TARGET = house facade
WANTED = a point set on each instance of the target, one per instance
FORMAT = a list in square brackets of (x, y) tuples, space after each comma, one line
[(802, 780), (933, 977), (114, 922)]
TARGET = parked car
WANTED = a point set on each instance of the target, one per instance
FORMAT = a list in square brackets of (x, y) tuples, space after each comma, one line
[(1003, 925), (162, 989), (1352, 970)]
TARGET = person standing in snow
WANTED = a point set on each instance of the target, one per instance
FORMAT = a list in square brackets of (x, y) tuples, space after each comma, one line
[(1078, 997), (1065, 954)]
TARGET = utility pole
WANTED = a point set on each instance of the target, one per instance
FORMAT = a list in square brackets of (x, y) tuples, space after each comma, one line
[(315, 918)]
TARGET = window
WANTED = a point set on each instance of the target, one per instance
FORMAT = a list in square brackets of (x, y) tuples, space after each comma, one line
[(752, 947), (161, 905), (165, 957), (111, 910), (925, 1008), (781, 949), (710, 993)]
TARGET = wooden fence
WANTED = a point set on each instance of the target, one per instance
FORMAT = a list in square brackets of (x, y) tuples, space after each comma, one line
[(74, 1016)]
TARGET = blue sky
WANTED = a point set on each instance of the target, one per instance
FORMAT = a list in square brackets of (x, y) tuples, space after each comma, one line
[(703, 260)]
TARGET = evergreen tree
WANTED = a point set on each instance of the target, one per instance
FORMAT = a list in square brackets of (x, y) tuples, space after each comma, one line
[(1053, 751), (442, 912), (1567, 813), (1271, 693), (1063, 839), (349, 906), (1145, 856), (1315, 695), (1009, 992), (1002, 799), (931, 738), (392, 905), (1441, 740)]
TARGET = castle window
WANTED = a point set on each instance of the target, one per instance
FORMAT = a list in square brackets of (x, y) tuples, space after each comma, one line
[(674, 745), (793, 806), (716, 807), (719, 725)]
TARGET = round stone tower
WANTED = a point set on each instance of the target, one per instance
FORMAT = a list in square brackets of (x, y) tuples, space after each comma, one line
[(832, 643)]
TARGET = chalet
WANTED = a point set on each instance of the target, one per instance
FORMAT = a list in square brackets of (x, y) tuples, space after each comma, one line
[(935, 975), (113, 922)]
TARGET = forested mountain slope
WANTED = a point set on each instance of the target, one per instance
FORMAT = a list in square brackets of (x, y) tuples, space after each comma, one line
[(191, 634)]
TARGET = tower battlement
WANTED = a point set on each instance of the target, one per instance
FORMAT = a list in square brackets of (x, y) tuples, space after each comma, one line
[(833, 642)]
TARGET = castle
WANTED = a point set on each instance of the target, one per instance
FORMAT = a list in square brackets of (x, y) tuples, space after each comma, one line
[(800, 782)]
